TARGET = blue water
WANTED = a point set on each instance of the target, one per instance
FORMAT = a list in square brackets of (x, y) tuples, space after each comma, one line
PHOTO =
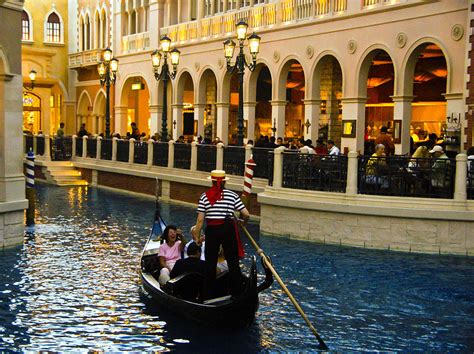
[(74, 285)]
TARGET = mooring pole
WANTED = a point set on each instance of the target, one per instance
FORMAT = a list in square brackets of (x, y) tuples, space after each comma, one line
[(30, 188)]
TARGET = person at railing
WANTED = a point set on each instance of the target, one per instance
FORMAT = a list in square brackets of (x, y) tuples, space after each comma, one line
[(60, 151), (386, 140), (262, 141), (83, 131), (250, 142), (199, 139), (320, 148), (216, 141), (470, 159), (307, 148), (375, 168), (333, 150), (143, 137), (60, 131), (135, 134), (438, 175), (180, 140), (271, 144), (420, 153)]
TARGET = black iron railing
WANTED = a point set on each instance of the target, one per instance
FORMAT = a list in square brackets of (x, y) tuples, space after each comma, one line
[(264, 160), (61, 148), (206, 157), (106, 149), (140, 154), (470, 179), (160, 154), (314, 172), (182, 156), (123, 146), (404, 176), (79, 147), (234, 160), (92, 148), (28, 143)]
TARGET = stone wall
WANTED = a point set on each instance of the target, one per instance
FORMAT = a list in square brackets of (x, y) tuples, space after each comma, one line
[(11, 228), (362, 221)]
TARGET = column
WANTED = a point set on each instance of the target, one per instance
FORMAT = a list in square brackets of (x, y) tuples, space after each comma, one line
[(278, 117), (156, 22), (194, 152), (78, 123), (121, 116), (150, 145), (220, 156), (200, 9), (460, 184), (156, 112), (249, 116), (223, 121), (352, 166), (84, 146), (98, 154), (178, 118), (114, 149), (131, 150), (95, 119), (47, 149), (353, 109), (180, 11), (224, 9), (190, 11), (278, 167), (213, 7), (312, 111), (73, 149), (199, 116), (170, 154), (402, 111)]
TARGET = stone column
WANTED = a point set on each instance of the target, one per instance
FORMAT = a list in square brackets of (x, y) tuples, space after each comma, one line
[(178, 118), (312, 111), (352, 173), (223, 121), (131, 150), (402, 111), (354, 109), (460, 185), (95, 118), (170, 154), (156, 112), (194, 153), (35, 144), (149, 161), (114, 149), (121, 117), (220, 156), (199, 116), (249, 116), (84, 146), (278, 117), (200, 9), (98, 154), (278, 167), (73, 152), (47, 149)]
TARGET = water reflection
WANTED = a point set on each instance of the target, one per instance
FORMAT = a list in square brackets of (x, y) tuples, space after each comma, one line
[(74, 286)]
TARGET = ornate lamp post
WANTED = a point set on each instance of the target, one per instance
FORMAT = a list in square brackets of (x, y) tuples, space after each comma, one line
[(165, 75), (240, 64), (107, 69), (32, 76)]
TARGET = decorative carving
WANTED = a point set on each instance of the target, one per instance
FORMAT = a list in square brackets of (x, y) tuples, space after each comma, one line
[(401, 39), (276, 56), (309, 52), (351, 46), (457, 32), (220, 63), (197, 66)]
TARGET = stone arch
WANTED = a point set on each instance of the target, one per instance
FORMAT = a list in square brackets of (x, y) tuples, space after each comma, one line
[(97, 26), (411, 58), (364, 64), (83, 103), (250, 85), (123, 89), (314, 89), (4, 64), (206, 73), (181, 81), (279, 84), (134, 105), (99, 103)]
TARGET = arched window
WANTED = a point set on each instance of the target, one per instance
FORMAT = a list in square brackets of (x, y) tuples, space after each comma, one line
[(26, 34), (97, 29), (104, 29), (88, 32), (53, 28)]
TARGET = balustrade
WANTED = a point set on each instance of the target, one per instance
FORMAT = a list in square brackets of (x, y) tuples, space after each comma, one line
[(206, 157), (160, 154), (122, 150), (61, 148), (234, 160), (28, 143), (79, 148), (182, 156), (92, 147), (141, 152), (262, 157), (106, 149)]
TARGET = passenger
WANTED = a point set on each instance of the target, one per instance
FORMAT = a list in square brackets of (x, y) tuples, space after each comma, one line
[(170, 251), (217, 207), (202, 242), (192, 264)]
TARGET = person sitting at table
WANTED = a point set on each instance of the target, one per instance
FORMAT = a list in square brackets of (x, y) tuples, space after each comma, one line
[(438, 175), (420, 153), (375, 165), (333, 149), (470, 159), (170, 252), (386, 140)]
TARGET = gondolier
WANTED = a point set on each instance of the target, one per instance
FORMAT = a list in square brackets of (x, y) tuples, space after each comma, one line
[(217, 206)]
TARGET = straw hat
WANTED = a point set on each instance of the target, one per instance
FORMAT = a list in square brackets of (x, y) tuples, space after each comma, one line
[(218, 175)]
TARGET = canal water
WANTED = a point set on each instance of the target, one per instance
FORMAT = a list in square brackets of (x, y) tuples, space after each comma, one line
[(74, 286)]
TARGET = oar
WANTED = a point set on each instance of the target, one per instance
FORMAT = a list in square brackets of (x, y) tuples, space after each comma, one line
[(268, 264)]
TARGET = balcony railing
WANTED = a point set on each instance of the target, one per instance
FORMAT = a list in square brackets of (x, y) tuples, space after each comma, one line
[(136, 42), (398, 176), (85, 58)]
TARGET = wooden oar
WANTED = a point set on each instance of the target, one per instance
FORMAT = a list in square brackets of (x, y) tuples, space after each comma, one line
[(269, 265)]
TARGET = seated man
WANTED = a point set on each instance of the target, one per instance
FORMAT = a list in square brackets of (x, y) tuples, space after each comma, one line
[(191, 288)]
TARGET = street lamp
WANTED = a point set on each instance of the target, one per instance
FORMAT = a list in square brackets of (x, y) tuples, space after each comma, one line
[(240, 64), (32, 76), (107, 70), (161, 59)]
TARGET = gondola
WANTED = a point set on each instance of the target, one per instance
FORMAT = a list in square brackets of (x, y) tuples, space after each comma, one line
[(223, 310)]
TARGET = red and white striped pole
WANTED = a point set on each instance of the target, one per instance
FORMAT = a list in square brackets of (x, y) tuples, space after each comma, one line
[(248, 179)]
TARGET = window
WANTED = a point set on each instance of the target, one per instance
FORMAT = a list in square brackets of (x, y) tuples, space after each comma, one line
[(25, 27), (53, 29)]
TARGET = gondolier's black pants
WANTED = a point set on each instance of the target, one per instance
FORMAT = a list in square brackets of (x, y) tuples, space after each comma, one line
[(224, 235)]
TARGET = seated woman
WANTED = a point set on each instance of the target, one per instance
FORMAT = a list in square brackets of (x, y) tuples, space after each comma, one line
[(376, 165), (170, 252), (420, 153)]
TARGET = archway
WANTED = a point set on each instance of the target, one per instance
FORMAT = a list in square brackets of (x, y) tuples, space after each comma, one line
[(98, 113), (207, 95), (83, 111), (185, 101), (31, 113), (378, 77), (135, 98), (261, 93)]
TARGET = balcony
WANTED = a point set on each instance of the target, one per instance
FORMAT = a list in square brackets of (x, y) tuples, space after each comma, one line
[(136, 42), (85, 58), (264, 17)]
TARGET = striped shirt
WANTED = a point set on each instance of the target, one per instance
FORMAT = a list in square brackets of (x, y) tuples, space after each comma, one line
[(221, 208)]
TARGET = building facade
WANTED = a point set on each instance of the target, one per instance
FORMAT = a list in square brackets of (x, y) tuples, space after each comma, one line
[(338, 69)]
